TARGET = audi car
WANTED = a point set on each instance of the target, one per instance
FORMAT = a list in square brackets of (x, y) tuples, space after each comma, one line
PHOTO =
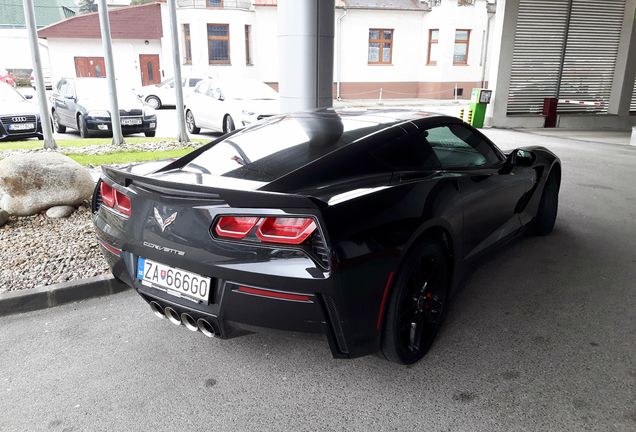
[(355, 224), (19, 117), (82, 104)]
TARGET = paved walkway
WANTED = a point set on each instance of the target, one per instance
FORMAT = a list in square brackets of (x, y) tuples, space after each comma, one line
[(542, 338)]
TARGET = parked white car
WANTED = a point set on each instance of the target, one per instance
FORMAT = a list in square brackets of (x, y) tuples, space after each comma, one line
[(158, 95), (225, 105)]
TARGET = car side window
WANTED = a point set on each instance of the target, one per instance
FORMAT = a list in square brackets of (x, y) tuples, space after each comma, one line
[(61, 88), (408, 153), (194, 82), (70, 89), (458, 147)]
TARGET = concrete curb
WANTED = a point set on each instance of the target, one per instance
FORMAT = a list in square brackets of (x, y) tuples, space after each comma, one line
[(54, 295)]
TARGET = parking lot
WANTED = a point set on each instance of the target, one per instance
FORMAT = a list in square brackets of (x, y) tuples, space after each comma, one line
[(540, 338)]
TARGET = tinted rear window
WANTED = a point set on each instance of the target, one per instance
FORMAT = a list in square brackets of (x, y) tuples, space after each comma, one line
[(272, 149)]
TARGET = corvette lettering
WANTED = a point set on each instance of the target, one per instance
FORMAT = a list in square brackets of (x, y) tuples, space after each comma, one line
[(164, 249)]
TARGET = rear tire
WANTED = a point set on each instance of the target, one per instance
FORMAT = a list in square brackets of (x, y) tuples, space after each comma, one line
[(228, 124), (543, 223), (191, 123), (56, 123), (153, 102), (417, 305), (81, 126)]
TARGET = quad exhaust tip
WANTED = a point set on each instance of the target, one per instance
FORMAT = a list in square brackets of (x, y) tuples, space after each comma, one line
[(206, 328), (157, 309), (172, 315), (189, 322)]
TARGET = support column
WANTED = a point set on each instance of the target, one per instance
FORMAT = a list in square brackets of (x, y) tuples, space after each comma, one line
[(501, 62), (104, 25), (625, 71), (176, 66), (305, 41), (40, 90)]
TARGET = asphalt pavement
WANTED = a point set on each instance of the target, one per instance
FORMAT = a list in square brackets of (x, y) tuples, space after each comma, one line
[(542, 337)]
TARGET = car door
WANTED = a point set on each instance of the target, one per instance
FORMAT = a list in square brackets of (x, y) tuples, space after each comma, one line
[(70, 103), (196, 103), (490, 194), (216, 105), (58, 101)]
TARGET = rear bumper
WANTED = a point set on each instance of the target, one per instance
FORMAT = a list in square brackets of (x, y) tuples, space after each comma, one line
[(234, 313)]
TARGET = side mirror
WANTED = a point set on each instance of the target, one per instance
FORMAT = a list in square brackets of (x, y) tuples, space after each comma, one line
[(29, 96), (518, 157), (69, 97)]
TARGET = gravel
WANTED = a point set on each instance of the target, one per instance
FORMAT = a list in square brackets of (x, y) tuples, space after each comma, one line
[(38, 251)]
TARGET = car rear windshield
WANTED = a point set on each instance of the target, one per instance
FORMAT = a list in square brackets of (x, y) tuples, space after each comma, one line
[(279, 146)]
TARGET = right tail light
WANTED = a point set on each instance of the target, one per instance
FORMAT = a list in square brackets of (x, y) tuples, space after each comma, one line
[(270, 229)]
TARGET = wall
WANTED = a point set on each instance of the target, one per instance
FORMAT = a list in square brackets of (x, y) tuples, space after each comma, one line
[(126, 57), (198, 20)]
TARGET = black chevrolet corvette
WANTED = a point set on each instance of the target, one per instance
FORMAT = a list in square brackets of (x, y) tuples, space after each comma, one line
[(355, 224)]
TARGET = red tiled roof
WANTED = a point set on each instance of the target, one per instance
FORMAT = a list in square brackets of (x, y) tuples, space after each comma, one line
[(132, 22)]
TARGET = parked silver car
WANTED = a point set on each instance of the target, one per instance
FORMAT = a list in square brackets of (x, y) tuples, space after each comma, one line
[(158, 95), (225, 105)]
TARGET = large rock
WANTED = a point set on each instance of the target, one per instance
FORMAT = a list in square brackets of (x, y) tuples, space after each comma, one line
[(4, 217), (36, 181)]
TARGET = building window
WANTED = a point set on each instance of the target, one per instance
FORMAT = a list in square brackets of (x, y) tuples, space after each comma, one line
[(380, 46), (433, 40), (219, 43), (215, 3), (248, 47), (187, 46), (460, 52)]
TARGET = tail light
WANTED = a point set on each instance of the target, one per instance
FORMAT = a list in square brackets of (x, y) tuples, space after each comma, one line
[(235, 227), (281, 230), (285, 230), (114, 199), (108, 194)]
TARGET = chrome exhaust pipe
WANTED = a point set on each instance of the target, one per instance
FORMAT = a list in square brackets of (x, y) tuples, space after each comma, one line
[(206, 328), (157, 310), (189, 322), (172, 316)]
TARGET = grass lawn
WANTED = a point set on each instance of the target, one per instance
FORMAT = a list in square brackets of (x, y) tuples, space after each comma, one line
[(70, 143), (127, 157)]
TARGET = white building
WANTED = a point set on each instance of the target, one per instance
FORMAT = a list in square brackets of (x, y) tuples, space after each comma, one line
[(405, 48)]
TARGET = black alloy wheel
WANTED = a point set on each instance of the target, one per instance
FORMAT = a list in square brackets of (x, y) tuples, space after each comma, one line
[(418, 303)]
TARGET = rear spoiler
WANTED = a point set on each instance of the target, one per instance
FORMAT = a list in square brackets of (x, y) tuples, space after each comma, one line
[(233, 197)]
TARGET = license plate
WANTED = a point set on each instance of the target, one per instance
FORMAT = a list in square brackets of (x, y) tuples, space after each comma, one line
[(175, 281), (21, 126), (130, 122)]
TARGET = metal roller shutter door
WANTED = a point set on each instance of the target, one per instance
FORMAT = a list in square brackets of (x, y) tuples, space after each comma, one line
[(537, 54), (632, 107), (590, 53)]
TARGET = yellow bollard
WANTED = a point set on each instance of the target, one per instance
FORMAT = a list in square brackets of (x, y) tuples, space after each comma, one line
[(461, 113), (470, 116)]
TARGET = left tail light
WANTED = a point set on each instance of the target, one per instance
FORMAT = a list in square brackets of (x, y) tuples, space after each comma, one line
[(114, 199)]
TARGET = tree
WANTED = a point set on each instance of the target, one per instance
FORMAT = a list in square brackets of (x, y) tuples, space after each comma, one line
[(86, 6), (140, 2)]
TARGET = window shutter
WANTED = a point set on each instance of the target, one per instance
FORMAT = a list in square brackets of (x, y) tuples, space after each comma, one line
[(537, 54), (590, 54)]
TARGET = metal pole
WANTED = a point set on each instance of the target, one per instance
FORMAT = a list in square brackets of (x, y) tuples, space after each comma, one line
[(104, 25), (176, 65), (29, 19)]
